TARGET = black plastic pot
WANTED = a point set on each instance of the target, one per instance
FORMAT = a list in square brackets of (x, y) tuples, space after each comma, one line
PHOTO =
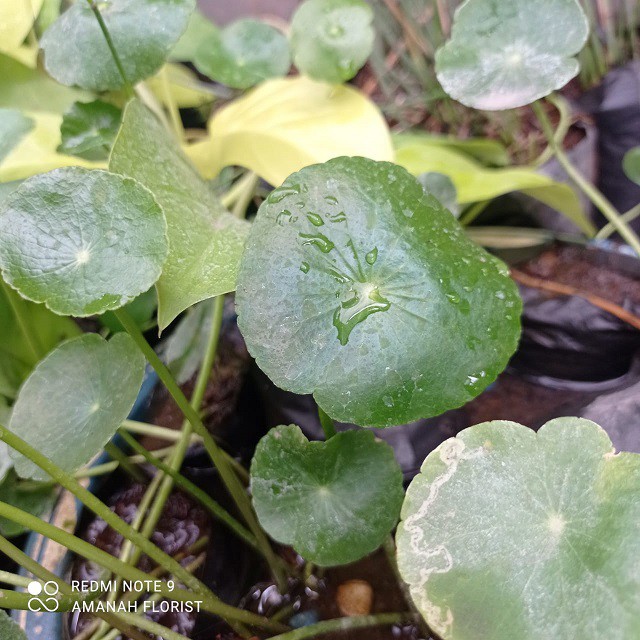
[(615, 107)]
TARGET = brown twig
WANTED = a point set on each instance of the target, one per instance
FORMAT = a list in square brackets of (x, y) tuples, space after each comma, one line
[(566, 290)]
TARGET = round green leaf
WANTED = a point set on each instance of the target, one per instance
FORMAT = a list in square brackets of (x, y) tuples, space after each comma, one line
[(75, 400), (10, 630), (441, 187), (333, 501), (503, 55), (358, 287), (244, 54), (143, 34), (510, 535), (88, 129), (332, 39), (81, 241), (631, 164)]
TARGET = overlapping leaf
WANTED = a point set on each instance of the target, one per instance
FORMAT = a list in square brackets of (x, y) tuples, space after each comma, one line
[(284, 125), (83, 242), (510, 535), (75, 400), (475, 182), (503, 55), (205, 241), (333, 501), (243, 54), (143, 33)]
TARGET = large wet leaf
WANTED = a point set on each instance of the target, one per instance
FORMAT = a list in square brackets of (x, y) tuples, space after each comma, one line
[(358, 287), (143, 34), (13, 127), (37, 151), (82, 242), (16, 19), (10, 630), (205, 241), (243, 54), (332, 39), (284, 125), (75, 400), (333, 501), (88, 129), (503, 55), (510, 535), (475, 182)]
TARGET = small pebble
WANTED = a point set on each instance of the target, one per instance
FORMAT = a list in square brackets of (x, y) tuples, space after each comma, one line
[(354, 598), (304, 619)]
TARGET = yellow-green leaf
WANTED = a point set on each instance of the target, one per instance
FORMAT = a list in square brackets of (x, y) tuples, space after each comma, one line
[(475, 183), (181, 85), (16, 19), (36, 152), (286, 124)]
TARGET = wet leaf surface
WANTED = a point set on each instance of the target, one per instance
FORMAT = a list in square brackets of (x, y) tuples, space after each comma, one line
[(205, 241), (81, 241), (361, 289)]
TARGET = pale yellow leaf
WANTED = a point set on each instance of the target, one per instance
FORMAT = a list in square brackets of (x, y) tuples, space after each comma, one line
[(286, 124), (16, 19), (474, 182), (36, 152), (183, 86)]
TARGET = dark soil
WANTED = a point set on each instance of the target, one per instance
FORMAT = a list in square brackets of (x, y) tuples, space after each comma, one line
[(572, 266)]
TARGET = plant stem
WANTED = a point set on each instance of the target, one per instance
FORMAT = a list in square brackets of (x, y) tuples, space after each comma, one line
[(327, 424), (123, 461), (17, 307), (209, 601), (185, 435), (173, 435), (473, 212), (102, 511), (227, 474), (108, 467), (13, 579), (116, 58), (204, 498), (608, 228), (344, 624), (155, 431), (250, 182), (596, 197), (38, 571), (172, 107)]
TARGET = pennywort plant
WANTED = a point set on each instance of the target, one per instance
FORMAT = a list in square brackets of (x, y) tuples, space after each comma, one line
[(354, 284)]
